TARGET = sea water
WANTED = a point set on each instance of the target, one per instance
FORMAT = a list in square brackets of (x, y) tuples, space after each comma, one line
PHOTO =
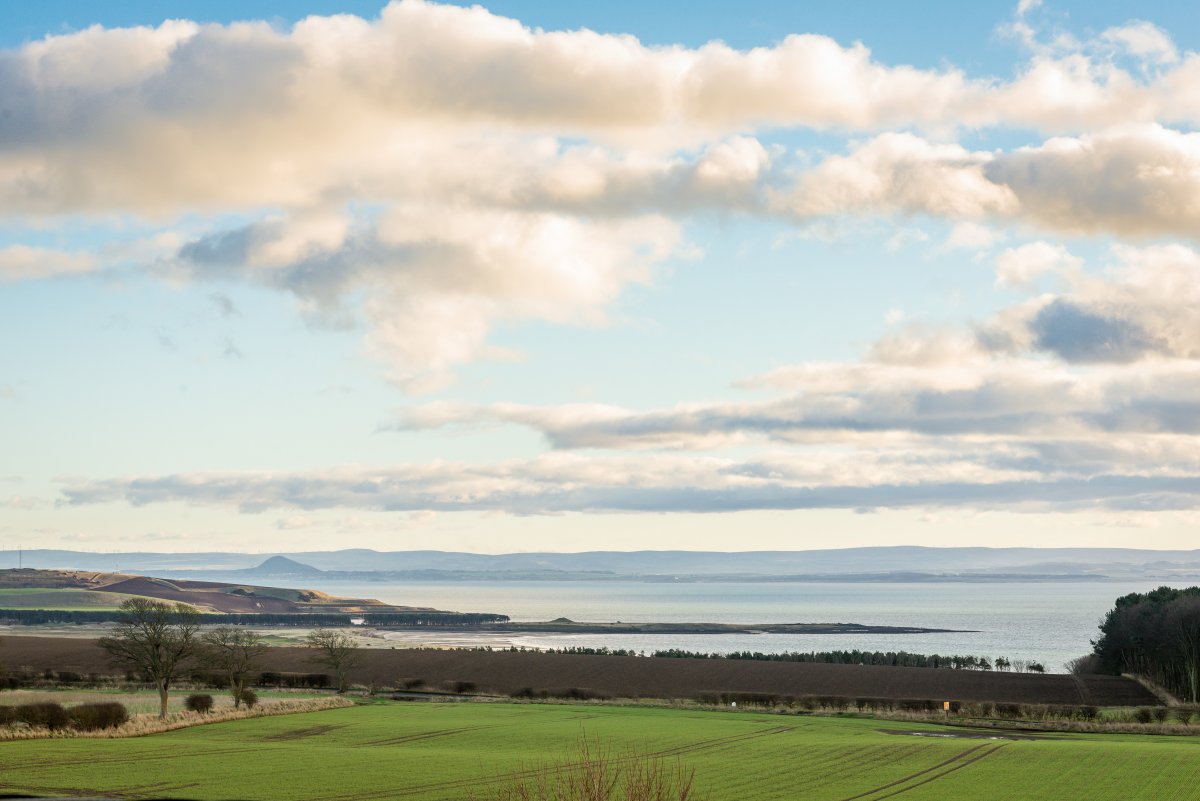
[(1047, 622)]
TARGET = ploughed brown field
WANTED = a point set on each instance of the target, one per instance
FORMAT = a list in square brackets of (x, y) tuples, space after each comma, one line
[(621, 676)]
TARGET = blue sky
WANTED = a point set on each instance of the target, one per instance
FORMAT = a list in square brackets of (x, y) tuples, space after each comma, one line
[(562, 277)]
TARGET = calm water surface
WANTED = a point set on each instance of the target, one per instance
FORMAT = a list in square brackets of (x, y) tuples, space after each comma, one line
[(1047, 622)]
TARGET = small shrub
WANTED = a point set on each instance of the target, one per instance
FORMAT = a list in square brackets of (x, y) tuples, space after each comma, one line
[(93, 717), (578, 694), (1161, 713), (1036, 711), (524, 692), (249, 698), (217, 681), (918, 705), (1184, 714), (461, 687), (836, 703), (199, 702), (1143, 714), (1087, 712), (1008, 710), (8, 715), (317, 680), (47, 715), (412, 684)]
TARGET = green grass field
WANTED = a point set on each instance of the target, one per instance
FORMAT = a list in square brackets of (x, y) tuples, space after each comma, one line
[(66, 600), (448, 750)]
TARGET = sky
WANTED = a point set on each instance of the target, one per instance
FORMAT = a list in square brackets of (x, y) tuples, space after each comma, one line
[(598, 276)]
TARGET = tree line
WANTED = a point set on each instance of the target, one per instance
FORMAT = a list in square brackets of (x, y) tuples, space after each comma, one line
[(1155, 634), (854, 657), (163, 641)]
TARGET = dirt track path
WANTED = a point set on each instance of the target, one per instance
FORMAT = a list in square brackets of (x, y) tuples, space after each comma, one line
[(955, 763)]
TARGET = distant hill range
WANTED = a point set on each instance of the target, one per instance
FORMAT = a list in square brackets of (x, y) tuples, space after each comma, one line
[(79, 589), (901, 563)]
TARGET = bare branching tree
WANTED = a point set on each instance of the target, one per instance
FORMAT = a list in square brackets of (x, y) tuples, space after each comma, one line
[(336, 650), (235, 653), (156, 639)]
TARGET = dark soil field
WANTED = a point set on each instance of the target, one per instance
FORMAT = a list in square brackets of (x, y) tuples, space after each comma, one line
[(619, 676)]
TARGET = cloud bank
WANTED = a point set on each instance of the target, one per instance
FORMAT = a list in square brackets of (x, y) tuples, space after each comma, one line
[(454, 164), (437, 171)]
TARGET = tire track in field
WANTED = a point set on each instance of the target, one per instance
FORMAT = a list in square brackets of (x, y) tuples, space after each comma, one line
[(427, 735), (158, 790), (301, 734), (706, 745), (837, 766), (122, 758), (943, 774), (1085, 693), (477, 781), (408, 738), (916, 775)]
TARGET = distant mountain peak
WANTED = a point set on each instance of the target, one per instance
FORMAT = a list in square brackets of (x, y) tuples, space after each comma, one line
[(282, 566)]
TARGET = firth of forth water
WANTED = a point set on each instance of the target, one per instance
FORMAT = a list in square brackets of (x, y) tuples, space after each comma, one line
[(1048, 622)]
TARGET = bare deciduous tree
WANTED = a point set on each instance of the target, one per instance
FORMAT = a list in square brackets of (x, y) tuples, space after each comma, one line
[(154, 638), (336, 650), (234, 653)]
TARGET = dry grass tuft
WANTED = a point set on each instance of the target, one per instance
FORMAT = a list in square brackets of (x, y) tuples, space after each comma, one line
[(142, 725), (596, 775)]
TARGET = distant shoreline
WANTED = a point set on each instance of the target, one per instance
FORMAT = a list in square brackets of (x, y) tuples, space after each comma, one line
[(564, 626)]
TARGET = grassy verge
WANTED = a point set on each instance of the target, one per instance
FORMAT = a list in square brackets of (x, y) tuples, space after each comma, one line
[(139, 701), (145, 724)]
